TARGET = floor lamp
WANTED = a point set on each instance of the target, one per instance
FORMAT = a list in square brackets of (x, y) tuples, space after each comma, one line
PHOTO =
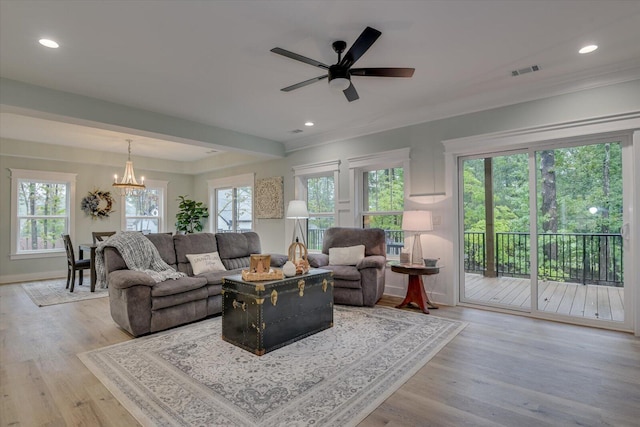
[(297, 210), (417, 222)]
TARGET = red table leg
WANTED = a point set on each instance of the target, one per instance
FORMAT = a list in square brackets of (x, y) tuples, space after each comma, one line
[(417, 295)]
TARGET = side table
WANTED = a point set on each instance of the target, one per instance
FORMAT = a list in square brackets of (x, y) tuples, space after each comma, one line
[(415, 290)]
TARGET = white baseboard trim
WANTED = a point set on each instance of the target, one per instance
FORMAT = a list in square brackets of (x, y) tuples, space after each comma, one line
[(30, 277), (395, 291)]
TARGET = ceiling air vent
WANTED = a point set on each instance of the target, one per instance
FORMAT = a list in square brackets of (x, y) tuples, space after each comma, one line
[(296, 131), (525, 70)]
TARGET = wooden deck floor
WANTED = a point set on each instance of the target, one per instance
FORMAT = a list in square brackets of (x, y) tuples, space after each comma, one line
[(601, 302)]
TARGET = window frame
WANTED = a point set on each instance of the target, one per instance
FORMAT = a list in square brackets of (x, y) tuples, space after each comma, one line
[(150, 184), (303, 173), (370, 162), (21, 175), (383, 160), (231, 182)]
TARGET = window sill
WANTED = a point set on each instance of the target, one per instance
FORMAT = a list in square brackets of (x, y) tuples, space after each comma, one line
[(38, 254)]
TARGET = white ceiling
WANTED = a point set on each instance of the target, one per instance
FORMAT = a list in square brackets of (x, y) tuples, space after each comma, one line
[(209, 61)]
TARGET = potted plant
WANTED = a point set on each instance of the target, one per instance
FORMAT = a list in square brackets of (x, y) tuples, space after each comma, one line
[(190, 215)]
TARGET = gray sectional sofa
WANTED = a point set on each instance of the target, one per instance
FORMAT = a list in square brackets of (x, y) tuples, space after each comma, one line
[(141, 306)]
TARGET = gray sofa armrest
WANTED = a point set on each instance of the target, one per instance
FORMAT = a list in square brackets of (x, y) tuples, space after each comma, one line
[(372, 261), (318, 260), (278, 260), (122, 279)]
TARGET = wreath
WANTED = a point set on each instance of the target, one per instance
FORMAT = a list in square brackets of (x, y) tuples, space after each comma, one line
[(98, 204)]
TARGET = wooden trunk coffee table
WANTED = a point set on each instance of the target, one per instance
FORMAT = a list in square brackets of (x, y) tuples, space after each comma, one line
[(415, 290), (262, 316)]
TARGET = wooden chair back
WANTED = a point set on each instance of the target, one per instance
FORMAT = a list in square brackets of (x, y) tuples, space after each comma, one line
[(100, 236), (68, 246)]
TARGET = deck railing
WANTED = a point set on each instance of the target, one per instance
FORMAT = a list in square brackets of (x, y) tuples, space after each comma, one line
[(571, 257)]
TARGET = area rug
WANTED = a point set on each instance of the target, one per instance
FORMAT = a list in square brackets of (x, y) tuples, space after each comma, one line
[(189, 376), (51, 292)]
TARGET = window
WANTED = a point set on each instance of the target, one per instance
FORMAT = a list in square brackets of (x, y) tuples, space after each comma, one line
[(146, 211), (317, 184), (321, 207), (380, 186), (383, 198), (41, 212), (232, 201)]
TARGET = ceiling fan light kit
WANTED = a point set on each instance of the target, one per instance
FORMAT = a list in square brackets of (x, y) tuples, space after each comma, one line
[(339, 74)]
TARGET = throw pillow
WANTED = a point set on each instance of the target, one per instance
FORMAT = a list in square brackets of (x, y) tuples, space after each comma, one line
[(346, 256), (205, 263)]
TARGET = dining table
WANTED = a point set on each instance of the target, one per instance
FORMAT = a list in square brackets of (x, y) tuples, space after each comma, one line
[(91, 247)]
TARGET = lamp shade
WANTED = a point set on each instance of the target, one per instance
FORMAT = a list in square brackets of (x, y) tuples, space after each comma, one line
[(297, 209), (417, 221), (339, 83)]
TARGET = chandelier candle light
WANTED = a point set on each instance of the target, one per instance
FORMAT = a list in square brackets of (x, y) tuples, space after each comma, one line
[(417, 222), (129, 185)]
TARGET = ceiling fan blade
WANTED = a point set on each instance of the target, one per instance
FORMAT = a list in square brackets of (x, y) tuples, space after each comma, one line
[(351, 93), (304, 83), (360, 46), (382, 72), (300, 58)]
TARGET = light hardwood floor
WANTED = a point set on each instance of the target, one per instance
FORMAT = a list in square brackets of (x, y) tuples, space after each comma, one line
[(501, 370)]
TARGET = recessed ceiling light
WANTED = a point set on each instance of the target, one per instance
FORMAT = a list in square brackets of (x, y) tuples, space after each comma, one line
[(588, 49), (309, 123), (49, 43)]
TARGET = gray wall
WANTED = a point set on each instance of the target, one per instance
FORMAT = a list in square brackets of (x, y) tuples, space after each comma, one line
[(427, 167), (94, 171)]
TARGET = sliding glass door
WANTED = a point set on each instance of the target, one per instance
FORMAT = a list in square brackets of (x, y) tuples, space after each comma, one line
[(496, 231), (580, 252), (571, 197)]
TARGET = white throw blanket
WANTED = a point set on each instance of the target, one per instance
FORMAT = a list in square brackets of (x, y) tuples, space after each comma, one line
[(138, 253)]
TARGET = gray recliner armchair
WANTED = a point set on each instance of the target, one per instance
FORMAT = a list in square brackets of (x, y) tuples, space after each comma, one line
[(362, 283)]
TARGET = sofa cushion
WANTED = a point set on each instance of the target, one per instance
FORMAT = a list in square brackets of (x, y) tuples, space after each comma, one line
[(214, 290), (237, 263), (345, 272), (278, 260), (164, 243), (349, 255), (373, 239), (237, 245), (317, 260), (197, 243), (215, 277), (183, 284), (205, 263)]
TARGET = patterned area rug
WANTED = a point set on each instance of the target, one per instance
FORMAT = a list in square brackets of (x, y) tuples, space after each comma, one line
[(189, 376), (51, 292)]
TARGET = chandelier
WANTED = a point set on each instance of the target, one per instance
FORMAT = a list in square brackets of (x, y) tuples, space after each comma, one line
[(128, 185)]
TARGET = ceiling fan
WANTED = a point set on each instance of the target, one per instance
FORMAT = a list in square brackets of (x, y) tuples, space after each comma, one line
[(339, 74)]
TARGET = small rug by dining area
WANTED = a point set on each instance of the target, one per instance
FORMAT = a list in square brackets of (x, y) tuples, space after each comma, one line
[(51, 292), (190, 376)]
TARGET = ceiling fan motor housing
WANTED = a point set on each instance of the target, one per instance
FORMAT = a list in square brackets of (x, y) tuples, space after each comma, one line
[(337, 72)]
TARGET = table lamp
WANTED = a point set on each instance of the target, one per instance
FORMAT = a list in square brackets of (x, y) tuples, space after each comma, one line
[(297, 210), (417, 222)]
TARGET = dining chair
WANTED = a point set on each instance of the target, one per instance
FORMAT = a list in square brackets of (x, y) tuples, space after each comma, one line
[(100, 236), (74, 264)]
